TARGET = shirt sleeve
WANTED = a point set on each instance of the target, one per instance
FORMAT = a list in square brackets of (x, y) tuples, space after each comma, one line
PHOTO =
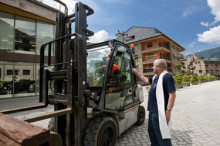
[(150, 80), (168, 83)]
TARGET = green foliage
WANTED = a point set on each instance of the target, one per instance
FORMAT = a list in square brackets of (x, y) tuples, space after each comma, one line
[(210, 53), (186, 71), (186, 78), (211, 78), (202, 57), (178, 79), (178, 65), (201, 77), (194, 79)]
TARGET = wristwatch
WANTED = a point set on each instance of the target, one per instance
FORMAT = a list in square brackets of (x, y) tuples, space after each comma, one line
[(169, 110)]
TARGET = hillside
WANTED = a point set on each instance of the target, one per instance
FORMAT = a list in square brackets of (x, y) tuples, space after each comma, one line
[(210, 53)]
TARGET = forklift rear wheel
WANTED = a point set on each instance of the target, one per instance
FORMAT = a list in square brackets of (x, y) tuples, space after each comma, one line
[(102, 131), (141, 115)]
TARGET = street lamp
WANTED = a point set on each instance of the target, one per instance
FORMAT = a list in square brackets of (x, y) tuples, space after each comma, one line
[(118, 34)]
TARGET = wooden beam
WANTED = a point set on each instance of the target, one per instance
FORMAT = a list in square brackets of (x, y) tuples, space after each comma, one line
[(17, 132)]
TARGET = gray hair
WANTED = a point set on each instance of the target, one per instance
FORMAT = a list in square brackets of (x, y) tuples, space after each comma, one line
[(161, 63)]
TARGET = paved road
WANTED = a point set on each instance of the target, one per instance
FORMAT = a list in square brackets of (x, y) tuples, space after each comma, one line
[(196, 117)]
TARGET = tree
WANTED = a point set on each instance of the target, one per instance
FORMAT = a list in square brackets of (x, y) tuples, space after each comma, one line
[(202, 57)]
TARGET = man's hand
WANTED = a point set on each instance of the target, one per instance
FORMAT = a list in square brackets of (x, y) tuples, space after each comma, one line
[(134, 70), (167, 114), (140, 76)]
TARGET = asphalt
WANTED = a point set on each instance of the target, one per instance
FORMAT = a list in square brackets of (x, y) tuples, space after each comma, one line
[(195, 117)]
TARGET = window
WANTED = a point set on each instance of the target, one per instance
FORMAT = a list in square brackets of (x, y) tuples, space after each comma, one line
[(16, 72), (150, 55), (149, 45), (119, 93), (6, 31), (25, 36), (45, 33), (26, 72), (96, 65), (9, 72), (136, 57)]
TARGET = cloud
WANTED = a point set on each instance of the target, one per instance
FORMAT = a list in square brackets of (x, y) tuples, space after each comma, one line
[(191, 45), (69, 3), (210, 36), (99, 36), (215, 9), (206, 24), (189, 11)]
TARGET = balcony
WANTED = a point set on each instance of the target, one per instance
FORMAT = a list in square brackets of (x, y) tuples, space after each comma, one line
[(167, 59), (156, 49), (148, 71)]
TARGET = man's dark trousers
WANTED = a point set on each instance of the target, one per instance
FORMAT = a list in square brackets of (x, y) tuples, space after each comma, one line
[(154, 131)]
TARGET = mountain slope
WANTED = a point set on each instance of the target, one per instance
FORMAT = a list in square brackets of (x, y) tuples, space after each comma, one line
[(210, 53)]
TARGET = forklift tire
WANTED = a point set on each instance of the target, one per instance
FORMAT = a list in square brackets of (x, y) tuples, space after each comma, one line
[(141, 115), (102, 131)]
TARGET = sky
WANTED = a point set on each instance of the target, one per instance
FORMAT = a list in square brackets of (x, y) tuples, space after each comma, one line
[(193, 24)]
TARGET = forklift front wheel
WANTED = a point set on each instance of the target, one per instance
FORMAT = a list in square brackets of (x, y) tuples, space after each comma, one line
[(102, 131), (141, 115)]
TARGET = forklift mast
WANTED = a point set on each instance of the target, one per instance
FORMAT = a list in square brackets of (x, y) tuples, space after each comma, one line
[(68, 74)]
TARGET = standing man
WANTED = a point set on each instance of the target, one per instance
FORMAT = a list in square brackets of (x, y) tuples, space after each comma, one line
[(161, 100)]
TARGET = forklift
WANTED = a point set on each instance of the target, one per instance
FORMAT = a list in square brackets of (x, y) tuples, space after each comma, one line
[(93, 105)]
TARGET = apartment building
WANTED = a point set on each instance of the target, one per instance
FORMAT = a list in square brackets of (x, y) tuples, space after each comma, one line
[(202, 66), (151, 44), (24, 26)]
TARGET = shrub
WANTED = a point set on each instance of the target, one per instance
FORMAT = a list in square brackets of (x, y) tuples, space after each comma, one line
[(194, 79), (186, 78), (201, 78), (178, 79), (211, 78)]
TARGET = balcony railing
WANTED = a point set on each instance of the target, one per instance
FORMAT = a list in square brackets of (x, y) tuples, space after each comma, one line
[(148, 70), (156, 49)]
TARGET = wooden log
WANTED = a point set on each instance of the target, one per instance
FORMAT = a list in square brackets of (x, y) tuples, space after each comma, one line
[(5, 141), (21, 133)]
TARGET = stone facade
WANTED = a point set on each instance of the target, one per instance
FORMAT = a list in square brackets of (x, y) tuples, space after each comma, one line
[(201, 66)]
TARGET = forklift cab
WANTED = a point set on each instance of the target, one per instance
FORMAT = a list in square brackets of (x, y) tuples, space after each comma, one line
[(116, 94), (119, 89)]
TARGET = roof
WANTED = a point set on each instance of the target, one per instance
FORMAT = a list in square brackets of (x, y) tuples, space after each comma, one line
[(212, 61), (136, 33), (139, 33)]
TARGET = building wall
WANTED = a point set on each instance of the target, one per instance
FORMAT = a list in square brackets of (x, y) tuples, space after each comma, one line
[(24, 26), (199, 67), (175, 57), (155, 48), (29, 8), (213, 69)]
